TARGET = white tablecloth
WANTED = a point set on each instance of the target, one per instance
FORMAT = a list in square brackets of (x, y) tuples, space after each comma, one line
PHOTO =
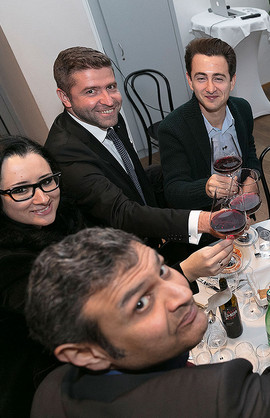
[(230, 30), (255, 331)]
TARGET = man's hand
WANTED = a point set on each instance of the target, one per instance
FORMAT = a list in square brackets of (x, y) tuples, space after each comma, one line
[(223, 183), (204, 225), (208, 261)]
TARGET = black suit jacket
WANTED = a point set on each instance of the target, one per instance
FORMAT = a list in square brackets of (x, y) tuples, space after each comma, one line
[(186, 155), (102, 188), (222, 390)]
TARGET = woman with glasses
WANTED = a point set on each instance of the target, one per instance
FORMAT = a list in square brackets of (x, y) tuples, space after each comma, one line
[(33, 214)]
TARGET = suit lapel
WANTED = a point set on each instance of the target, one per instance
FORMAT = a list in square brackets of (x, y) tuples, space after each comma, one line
[(200, 138), (95, 146)]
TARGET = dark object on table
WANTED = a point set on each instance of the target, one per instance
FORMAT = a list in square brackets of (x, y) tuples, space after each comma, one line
[(251, 16)]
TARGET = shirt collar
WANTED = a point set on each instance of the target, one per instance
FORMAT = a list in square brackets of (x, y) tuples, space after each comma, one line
[(98, 133), (227, 123)]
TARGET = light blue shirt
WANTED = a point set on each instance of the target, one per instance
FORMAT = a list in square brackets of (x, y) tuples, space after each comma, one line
[(228, 127)]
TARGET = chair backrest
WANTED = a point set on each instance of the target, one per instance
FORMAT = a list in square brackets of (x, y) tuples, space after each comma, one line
[(264, 182), (161, 85)]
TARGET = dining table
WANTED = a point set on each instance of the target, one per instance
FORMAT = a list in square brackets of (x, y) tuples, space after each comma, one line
[(254, 331)]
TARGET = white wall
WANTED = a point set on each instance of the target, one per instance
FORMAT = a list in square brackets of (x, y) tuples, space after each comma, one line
[(185, 10), (36, 32)]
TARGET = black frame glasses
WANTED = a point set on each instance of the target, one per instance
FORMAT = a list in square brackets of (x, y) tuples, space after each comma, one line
[(42, 185)]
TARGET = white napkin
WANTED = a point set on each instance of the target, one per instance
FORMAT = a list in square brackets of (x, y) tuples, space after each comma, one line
[(219, 299)]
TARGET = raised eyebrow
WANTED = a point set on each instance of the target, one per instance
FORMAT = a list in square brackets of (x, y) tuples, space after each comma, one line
[(130, 293)]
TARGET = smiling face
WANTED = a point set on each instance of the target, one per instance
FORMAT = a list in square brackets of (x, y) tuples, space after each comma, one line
[(41, 209), (210, 81), (94, 97), (148, 313)]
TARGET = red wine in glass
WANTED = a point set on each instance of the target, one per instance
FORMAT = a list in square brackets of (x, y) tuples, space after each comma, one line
[(229, 221), (250, 201), (228, 164)]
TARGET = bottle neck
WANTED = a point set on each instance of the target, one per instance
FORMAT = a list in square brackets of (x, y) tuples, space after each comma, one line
[(223, 284)]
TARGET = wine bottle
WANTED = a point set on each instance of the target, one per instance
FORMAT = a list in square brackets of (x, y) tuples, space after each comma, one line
[(230, 313), (267, 317)]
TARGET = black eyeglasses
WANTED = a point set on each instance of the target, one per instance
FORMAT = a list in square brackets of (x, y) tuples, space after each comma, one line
[(27, 191)]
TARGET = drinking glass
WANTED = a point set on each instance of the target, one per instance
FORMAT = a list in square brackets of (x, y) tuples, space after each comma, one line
[(216, 338), (251, 311), (264, 243), (248, 181), (263, 354), (225, 155), (224, 218), (203, 357), (246, 350)]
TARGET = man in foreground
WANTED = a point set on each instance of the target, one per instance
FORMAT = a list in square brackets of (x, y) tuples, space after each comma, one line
[(185, 135), (107, 182), (107, 305)]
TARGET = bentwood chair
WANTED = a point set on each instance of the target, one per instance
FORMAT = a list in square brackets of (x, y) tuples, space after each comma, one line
[(264, 182), (147, 111)]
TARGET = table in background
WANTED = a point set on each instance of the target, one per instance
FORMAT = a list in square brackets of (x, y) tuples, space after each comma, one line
[(253, 331), (244, 36)]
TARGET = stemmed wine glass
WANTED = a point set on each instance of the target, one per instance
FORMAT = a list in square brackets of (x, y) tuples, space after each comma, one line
[(225, 155), (225, 218), (248, 180), (251, 310), (217, 338)]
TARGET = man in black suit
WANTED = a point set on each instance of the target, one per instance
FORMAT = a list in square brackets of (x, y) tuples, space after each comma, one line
[(108, 305), (93, 170)]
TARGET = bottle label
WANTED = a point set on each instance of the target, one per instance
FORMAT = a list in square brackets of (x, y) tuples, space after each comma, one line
[(230, 314)]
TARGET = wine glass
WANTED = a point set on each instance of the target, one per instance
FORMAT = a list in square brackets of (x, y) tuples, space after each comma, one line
[(263, 354), (251, 311), (248, 180), (224, 218), (216, 338), (246, 350), (225, 155)]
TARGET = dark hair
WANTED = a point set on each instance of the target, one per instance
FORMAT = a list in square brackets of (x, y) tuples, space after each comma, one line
[(19, 145), (210, 47), (63, 278), (76, 59)]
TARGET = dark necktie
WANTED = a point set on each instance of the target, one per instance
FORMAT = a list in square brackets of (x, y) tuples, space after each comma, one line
[(112, 136)]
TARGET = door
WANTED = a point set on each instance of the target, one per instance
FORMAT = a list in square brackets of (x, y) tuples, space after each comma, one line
[(141, 34)]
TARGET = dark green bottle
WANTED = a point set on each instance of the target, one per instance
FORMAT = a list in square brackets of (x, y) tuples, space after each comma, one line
[(267, 317), (230, 313)]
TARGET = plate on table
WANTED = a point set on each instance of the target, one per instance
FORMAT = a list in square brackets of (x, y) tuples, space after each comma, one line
[(236, 262), (242, 259)]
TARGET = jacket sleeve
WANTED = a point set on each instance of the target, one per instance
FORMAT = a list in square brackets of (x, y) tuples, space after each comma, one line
[(99, 197)]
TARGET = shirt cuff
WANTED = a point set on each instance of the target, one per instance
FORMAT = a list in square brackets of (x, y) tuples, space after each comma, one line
[(193, 220)]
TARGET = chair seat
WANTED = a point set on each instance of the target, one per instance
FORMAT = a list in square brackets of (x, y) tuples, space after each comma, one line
[(153, 132)]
